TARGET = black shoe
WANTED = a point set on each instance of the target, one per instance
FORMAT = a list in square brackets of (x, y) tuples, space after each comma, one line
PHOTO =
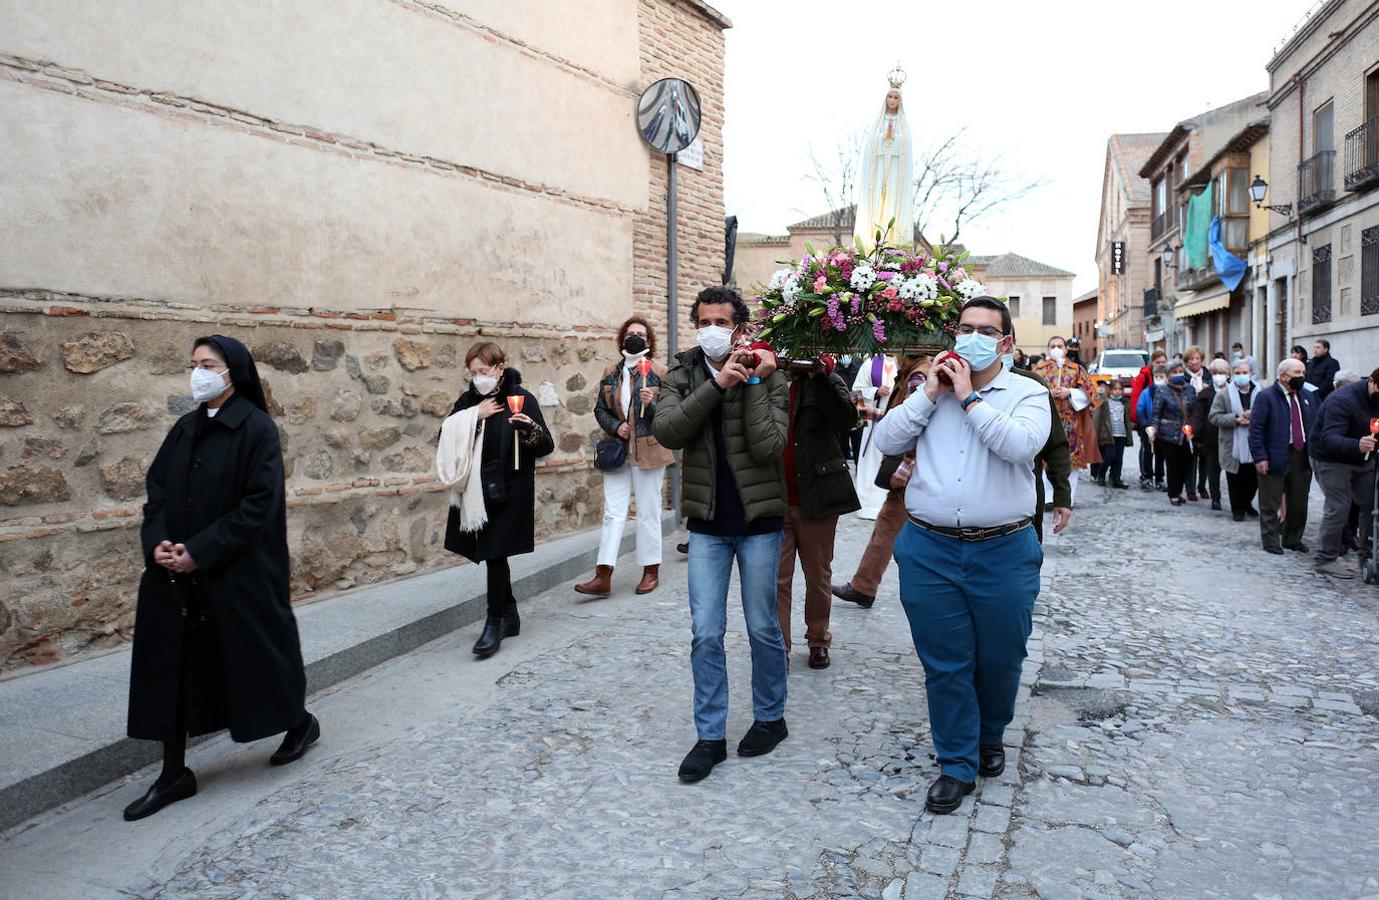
[(1146, 485), (1274, 549), (1299, 547), (945, 794), (683, 548), (1238, 516), (993, 760), (1175, 501), (1120, 485), (846, 592), (762, 738), (495, 629), (1160, 486), (701, 760), (296, 741), (1252, 512), (182, 787), (1216, 506)]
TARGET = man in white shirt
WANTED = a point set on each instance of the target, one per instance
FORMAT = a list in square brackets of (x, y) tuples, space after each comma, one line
[(969, 559)]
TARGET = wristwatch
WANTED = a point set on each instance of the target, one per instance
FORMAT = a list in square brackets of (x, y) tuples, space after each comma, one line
[(973, 397)]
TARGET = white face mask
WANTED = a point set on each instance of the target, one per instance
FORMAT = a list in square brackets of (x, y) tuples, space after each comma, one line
[(1161, 381), (485, 384), (715, 340), (206, 385), (1056, 354), (1220, 380)]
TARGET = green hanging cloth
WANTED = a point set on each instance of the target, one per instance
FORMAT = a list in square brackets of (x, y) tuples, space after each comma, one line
[(1195, 229)]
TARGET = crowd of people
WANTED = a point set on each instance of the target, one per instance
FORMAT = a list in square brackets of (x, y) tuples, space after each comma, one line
[(954, 457)]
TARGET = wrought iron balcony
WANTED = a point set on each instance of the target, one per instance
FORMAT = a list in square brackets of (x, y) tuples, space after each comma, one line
[(1317, 182), (1161, 225), (1196, 279), (1362, 157), (1151, 303)]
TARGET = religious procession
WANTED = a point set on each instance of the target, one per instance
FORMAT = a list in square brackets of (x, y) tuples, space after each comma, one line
[(1026, 662)]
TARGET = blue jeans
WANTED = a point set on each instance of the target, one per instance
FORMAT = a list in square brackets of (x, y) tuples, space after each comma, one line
[(710, 567), (970, 606)]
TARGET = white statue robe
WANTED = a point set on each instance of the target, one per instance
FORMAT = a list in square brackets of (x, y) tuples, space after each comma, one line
[(885, 187), (869, 463)]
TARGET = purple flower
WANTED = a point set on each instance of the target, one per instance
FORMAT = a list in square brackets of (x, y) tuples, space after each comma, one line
[(884, 276), (942, 267), (878, 330)]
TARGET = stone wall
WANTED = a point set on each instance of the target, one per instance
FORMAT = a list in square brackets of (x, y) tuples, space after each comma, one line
[(316, 186)]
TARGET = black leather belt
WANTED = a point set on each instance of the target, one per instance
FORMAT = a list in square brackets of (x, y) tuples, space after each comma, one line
[(974, 534)]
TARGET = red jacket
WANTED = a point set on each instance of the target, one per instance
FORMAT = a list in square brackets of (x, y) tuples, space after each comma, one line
[(1142, 381)]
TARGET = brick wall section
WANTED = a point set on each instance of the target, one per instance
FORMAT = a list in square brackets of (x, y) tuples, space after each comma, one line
[(680, 40)]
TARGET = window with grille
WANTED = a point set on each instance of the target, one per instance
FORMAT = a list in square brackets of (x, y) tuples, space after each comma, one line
[(1369, 271), (1321, 284)]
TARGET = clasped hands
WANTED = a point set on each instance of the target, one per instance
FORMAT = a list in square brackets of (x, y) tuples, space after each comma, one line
[(953, 374), (735, 371), (174, 557)]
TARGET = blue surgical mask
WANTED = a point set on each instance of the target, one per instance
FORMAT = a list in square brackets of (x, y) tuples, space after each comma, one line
[(1241, 381), (978, 349), (1008, 361), (1179, 380)]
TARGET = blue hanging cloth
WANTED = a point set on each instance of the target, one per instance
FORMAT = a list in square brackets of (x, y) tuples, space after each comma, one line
[(1229, 267)]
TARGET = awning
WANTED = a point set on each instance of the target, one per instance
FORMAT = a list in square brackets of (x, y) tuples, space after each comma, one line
[(1194, 303)]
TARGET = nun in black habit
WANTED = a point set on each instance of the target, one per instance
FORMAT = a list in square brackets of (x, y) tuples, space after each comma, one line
[(215, 641)]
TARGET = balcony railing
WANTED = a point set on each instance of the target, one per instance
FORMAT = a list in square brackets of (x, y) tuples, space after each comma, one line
[(1195, 279), (1362, 157), (1317, 181), (1161, 225), (1151, 303)]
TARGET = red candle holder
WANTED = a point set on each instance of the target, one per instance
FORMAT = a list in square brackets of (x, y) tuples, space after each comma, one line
[(515, 402)]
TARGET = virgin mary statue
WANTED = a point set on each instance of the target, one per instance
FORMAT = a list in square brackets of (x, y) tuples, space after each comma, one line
[(885, 189)]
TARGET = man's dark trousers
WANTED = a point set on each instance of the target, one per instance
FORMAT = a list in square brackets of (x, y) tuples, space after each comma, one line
[(1273, 488), (1343, 484)]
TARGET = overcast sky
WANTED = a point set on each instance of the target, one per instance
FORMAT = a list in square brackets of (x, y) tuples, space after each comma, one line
[(1045, 83)]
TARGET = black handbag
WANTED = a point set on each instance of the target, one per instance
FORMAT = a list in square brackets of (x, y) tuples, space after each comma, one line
[(610, 454), (888, 466)]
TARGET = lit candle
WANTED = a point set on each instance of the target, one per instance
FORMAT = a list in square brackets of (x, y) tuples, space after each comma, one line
[(644, 369), (515, 402), (1374, 430)]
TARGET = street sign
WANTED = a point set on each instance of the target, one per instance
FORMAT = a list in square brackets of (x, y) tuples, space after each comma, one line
[(693, 155), (1118, 257)]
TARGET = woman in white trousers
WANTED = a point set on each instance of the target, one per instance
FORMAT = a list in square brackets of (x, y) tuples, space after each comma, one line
[(625, 408)]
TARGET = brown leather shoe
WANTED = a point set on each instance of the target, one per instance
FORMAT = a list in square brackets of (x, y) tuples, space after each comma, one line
[(601, 585), (651, 579), (818, 657)]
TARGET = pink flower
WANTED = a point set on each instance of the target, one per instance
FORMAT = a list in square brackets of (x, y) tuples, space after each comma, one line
[(943, 267), (820, 283), (889, 293), (958, 275)]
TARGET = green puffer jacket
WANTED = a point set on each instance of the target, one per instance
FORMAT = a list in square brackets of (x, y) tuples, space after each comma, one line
[(756, 418)]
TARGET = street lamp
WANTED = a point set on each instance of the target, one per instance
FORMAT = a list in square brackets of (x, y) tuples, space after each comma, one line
[(1167, 256), (1258, 189)]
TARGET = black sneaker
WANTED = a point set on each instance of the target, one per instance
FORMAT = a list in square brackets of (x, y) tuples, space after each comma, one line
[(701, 760), (1146, 485), (1120, 485), (762, 738)]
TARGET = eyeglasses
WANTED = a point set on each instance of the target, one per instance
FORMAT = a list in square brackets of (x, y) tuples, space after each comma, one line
[(209, 365), (985, 330), (490, 370)]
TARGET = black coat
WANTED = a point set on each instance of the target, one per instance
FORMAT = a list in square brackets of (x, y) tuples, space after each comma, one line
[(225, 633), (1321, 374), (821, 408), (1341, 421), (511, 527)]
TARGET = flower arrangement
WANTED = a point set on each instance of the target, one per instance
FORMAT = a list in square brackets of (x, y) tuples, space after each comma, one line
[(850, 301)]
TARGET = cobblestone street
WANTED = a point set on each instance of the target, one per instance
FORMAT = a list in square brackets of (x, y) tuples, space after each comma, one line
[(1201, 724)]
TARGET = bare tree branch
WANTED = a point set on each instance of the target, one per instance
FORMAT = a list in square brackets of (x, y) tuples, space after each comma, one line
[(959, 186), (838, 181)]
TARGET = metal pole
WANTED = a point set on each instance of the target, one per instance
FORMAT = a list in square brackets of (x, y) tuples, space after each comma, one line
[(672, 312)]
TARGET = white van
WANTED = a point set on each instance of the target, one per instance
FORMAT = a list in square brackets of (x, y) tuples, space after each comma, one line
[(1123, 363)]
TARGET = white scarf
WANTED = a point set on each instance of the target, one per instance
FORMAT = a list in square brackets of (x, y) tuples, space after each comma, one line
[(458, 459), (1240, 439)]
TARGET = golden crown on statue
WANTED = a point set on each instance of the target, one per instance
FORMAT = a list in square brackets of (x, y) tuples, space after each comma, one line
[(896, 76)]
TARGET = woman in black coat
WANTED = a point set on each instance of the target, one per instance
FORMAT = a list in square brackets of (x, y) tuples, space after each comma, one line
[(215, 641), (511, 446)]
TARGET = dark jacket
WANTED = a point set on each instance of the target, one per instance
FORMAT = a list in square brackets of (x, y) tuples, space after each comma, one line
[(216, 485), (755, 421), (645, 452), (1342, 420), (509, 491), (1321, 373), (1101, 421), (822, 408), (1270, 426), (1199, 416), (1055, 459), (1168, 415)]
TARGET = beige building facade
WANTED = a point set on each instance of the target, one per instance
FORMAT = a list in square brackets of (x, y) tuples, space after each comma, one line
[(358, 190), (1322, 278), (1124, 273)]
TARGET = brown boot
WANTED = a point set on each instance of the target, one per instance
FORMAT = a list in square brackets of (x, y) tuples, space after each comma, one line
[(601, 585), (651, 579)]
